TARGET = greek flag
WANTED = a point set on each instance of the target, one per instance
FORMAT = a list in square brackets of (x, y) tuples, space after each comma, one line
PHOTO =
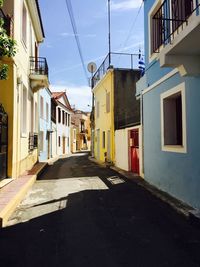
[(141, 64)]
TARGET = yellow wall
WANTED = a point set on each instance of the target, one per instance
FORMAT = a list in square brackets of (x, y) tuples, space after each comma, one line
[(19, 157), (105, 121), (6, 99)]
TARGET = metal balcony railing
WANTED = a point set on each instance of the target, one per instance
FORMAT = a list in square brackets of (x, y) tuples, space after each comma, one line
[(38, 66), (170, 19), (8, 23), (115, 60), (33, 141)]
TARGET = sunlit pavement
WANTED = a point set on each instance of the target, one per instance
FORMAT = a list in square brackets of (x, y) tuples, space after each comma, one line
[(81, 214)]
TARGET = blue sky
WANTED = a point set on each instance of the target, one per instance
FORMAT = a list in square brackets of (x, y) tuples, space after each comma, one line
[(60, 47)]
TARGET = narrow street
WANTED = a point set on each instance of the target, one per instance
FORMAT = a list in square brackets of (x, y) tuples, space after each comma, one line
[(81, 214)]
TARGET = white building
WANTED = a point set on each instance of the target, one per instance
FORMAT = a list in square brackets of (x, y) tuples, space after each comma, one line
[(63, 123)]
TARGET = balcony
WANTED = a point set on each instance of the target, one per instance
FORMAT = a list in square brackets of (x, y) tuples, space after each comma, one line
[(175, 35), (38, 73), (8, 23), (115, 60)]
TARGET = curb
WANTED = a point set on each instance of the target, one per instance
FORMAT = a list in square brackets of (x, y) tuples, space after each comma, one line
[(10, 207), (13, 193), (190, 213), (180, 207)]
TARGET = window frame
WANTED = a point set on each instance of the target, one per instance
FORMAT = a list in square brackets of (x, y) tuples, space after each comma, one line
[(153, 10), (103, 139), (175, 148), (107, 102), (24, 31), (59, 115), (41, 107), (47, 111), (24, 109)]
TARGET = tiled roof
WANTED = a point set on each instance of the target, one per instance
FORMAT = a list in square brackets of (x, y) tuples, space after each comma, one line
[(57, 95)]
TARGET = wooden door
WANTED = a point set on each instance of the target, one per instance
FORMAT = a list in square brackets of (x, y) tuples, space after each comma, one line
[(63, 145), (134, 141)]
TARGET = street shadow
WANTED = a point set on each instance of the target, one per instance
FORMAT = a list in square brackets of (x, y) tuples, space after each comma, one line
[(110, 228)]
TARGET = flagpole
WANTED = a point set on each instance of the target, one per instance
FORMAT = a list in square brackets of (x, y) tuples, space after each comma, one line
[(109, 33)]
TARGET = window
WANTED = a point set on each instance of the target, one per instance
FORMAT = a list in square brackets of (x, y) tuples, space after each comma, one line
[(59, 115), (66, 119), (31, 121), (63, 117), (59, 141), (173, 119), (24, 112), (98, 110), (103, 140), (41, 107), (82, 126), (47, 112), (41, 141), (108, 102), (36, 115), (24, 24), (165, 18), (31, 39)]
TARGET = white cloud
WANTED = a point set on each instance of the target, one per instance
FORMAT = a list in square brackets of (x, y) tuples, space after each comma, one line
[(67, 34), (80, 96), (76, 66), (125, 5), (136, 45)]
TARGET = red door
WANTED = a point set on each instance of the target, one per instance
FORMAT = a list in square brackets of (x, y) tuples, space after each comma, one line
[(134, 136)]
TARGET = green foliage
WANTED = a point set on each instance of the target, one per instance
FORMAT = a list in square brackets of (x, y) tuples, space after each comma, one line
[(3, 71), (7, 48), (1, 3)]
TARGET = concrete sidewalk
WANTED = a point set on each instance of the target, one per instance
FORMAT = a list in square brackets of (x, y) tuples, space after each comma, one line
[(13, 192)]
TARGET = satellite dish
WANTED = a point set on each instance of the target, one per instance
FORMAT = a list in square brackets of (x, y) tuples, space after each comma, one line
[(92, 67)]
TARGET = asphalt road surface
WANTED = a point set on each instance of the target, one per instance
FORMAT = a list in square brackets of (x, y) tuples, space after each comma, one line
[(80, 214)]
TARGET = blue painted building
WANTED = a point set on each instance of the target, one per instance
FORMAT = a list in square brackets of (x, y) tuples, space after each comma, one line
[(170, 95), (44, 125)]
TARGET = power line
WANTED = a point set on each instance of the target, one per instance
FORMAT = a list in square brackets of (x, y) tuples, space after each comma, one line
[(73, 23)]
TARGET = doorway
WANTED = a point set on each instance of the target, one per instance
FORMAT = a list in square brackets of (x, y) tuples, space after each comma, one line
[(63, 145), (3, 142), (134, 151)]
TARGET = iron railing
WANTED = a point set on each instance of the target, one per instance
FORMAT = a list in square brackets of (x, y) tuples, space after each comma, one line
[(33, 141), (169, 19), (8, 23), (3, 142), (38, 66), (115, 60)]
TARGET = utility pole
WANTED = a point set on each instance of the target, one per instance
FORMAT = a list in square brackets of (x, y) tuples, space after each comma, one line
[(109, 33), (92, 68)]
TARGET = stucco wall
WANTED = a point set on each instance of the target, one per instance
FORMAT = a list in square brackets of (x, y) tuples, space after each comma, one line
[(176, 173), (45, 124), (105, 121), (63, 131), (121, 149), (126, 106)]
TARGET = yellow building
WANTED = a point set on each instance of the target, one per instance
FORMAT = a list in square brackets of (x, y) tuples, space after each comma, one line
[(81, 131), (19, 94), (104, 149)]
